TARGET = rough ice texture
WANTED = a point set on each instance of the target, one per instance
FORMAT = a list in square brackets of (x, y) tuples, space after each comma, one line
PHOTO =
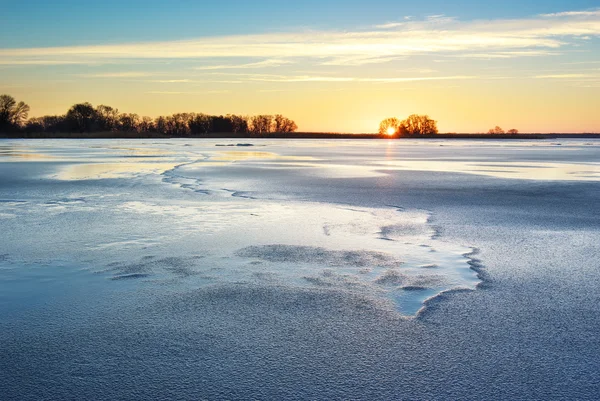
[(202, 282), (317, 255)]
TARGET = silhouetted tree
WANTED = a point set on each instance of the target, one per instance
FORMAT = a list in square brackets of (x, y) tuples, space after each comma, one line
[(129, 122), (107, 118), (47, 124), (54, 123), (284, 124), (13, 115), (178, 124), (146, 125), (7, 104), (221, 124), (496, 131), (160, 125), (239, 124), (418, 125), (389, 124), (199, 124), (35, 125), (20, 113), (82, 117), (261, 124), (513, 131)]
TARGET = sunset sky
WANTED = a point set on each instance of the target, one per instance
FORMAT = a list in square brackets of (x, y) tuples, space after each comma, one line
[(329, 65)]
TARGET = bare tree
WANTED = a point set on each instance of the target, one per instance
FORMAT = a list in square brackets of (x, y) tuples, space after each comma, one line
[(20, 113), (178, 124), (239, 124), (199, 124), (389, 126), (283, 124), (12, 114), (496, 131), (513, 131), (34, 124), (261, 124), (54, 123), (46, 124), (82, 117), (160, 124), (129, 122), (418, 125), (7, 103), (107, 118), (289, 126), (146, 124)]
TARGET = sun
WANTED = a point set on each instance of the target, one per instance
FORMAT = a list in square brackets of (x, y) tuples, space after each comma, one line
[(391, 131)]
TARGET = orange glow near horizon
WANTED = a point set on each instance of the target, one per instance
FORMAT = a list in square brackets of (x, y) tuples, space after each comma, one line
[(509, 73), (469, 107)]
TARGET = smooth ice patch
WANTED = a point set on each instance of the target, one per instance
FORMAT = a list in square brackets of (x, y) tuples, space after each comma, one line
[(381, 254), (516, 170), (184, 220), (111, 170)]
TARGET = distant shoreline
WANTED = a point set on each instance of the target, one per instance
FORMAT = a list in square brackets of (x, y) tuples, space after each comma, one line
[(293, 135)]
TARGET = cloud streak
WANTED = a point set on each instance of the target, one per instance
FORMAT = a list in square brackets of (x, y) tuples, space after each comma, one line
[(564, 76), (260, 64), (435, 34), (590, 13), (334, 79), (126, 74), (510, 54), (213, 92)]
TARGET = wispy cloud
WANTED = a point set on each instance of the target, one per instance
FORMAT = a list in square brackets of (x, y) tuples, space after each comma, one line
[(213, 92), (583, 62), (361, 60), (35, 61), (589, 13), (394, 24), (588, 85), (125, 74), (440, 19), (166, 92), (297, 78), (436, 34), (416, 79), (333, 79), (563, 76), (390, 25), (510, 54), (171, 81), (260, 64)]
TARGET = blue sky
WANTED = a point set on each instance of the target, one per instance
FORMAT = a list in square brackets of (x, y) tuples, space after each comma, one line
[(330, 65), (55, 23)]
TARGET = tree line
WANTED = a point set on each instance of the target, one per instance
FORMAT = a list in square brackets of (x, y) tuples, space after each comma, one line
[(419, 125), (499, 131), (85, 118), (414, 125)]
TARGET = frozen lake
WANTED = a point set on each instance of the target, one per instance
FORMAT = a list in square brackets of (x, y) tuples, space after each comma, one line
[(433, 269)]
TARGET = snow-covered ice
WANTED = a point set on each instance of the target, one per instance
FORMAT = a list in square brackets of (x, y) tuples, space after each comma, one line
[(299, 269)]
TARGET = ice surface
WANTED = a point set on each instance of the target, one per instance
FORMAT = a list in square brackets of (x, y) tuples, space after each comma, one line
[(304, 270), (242, 239)]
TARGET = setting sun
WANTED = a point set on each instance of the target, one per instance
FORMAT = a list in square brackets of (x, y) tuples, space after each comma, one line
[(391, 131)]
